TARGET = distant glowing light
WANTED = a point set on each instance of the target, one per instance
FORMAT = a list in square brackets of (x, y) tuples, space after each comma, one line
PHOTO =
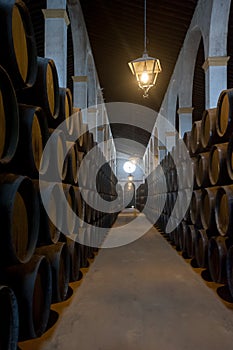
[(129, 167)]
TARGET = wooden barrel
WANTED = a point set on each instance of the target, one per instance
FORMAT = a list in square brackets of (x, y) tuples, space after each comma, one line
[(176, 237), (47, 84), (65, 109), (195, 206), (88, 215), (74, 250), (68, 225), (184, 175), (229, 269), (32, 140), (182, 235), (83, 239), (208, 128), (78, 127), (54, 163), (170, 202), (194, 172), (9, 319), (182, 149), (230, 159), (172, 183), (207, 209), (100, 235), (106, 185), (97, 210), (45, 91), (9, 119), (80, 209), (201, 248), (18, 54), (218, 173), (186, 139), (217, 252), (83, 140), (161, 222), (158, 202), (84, 255), (96, 237), (90, 142), (49, 232), (195, 139), (72, 164), (85, 176), (58, 256), (180, 200), (224, 210), (190, 241), (202, 170), (185, 200), (189, 178), (90, 240), (224, 118), (32, 285), (19, 219), (172, 235)]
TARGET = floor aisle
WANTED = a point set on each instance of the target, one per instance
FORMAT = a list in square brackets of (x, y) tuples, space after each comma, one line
[(142, 296)]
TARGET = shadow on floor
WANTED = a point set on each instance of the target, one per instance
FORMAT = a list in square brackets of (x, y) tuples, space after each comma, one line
[(224, 293)]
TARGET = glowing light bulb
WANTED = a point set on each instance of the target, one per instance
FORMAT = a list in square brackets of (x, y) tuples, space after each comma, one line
[(144, 77), (130, 186)]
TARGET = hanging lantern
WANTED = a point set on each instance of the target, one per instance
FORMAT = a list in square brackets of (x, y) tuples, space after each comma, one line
[(145, 68)]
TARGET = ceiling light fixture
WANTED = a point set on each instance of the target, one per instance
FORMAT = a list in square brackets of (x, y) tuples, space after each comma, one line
[(129, 167), (145, 68), (130, 178)]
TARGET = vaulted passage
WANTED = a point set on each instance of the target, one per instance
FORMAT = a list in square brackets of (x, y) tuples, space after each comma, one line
[(116, 174), (141, 296)]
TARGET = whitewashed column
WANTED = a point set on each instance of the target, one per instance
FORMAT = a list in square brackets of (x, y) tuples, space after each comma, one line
[(162, 150), (185, 120), (170, 140), (80, 94), (56, 23), (92, 121), (215, 78)]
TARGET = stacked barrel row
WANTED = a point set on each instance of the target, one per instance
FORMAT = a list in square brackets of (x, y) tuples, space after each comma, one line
[(37, 258), (168, 189), (210, 208), (206, 230), (141, 196)]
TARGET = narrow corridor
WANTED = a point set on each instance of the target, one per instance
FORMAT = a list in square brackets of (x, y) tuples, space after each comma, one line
[(142, 296)]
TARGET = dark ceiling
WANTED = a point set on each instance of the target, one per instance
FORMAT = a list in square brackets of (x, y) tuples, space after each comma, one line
[(116, 34)]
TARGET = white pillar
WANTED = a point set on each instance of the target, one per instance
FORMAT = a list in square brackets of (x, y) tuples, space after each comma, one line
[(56, 22), (185, 120), (106, 138), (170, 140), (114, 159), (147, 163), (215, 78), (162, 150), (92, 121), (80, 93), (100, 117), (151, 154)]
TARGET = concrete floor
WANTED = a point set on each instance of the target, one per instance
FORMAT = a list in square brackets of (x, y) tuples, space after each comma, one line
[(142, 296)]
